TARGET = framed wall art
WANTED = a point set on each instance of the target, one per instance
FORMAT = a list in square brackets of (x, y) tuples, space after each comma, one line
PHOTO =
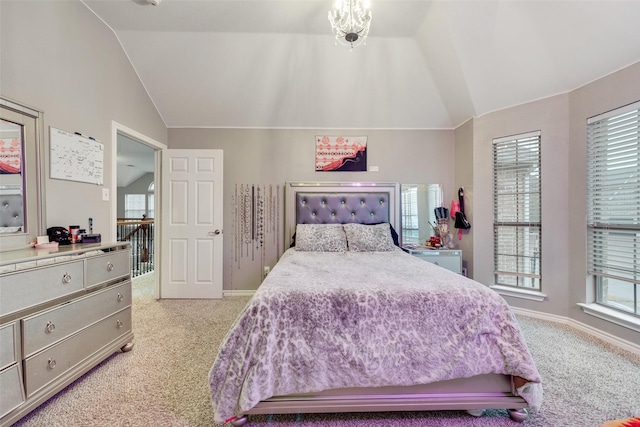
[(341, 153)]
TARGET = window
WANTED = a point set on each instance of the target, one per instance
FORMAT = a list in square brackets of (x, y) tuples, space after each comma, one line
[(150, 200), (418, 216), (517, 210), (134, 205), (613, 207), (410, 229), (150, 204)]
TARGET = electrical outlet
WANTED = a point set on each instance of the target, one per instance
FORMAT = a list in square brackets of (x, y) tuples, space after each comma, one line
[(267, 270)]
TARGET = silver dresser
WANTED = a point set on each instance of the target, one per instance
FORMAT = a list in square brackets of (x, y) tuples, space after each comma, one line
[(62, 312)]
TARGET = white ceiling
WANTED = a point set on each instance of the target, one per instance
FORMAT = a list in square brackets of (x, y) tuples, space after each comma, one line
[(134, 159), (426, 64)]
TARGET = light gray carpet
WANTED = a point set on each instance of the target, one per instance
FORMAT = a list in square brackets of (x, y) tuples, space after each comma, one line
[(163, 381)]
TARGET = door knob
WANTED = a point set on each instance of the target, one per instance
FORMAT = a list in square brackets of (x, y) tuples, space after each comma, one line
[(215, 233)]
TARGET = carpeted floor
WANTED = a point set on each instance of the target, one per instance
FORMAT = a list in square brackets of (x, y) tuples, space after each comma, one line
[(163, 381)]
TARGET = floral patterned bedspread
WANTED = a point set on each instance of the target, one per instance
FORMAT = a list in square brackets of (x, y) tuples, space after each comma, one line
[(332, 320)]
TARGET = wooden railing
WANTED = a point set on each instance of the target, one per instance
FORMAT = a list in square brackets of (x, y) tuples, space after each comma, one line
[(140, 233)]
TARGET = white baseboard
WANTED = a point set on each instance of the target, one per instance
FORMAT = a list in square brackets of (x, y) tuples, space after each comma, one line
[(238, 293), (604, 336)]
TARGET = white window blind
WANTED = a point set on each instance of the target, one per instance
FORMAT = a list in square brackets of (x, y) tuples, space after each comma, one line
[(613, 210), (410, 228), (434, 198), (151, 206), (517, 210), (134, 205)]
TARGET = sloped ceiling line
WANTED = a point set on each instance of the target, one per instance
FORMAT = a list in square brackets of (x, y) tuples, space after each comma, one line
[(427, 64)]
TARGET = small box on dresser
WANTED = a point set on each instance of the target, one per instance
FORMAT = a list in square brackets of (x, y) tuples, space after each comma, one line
[(62, 312)]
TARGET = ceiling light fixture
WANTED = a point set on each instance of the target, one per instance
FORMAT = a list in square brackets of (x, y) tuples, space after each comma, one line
[(350, 20)]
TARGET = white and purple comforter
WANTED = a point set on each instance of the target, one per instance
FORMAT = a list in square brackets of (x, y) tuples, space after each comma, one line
[(332, 320)]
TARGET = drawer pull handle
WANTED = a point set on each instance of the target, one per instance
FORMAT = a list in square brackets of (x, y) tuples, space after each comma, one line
[(50, 327), (109, 266), (51, 363), (119, 324), (66, 278), (120, 297)]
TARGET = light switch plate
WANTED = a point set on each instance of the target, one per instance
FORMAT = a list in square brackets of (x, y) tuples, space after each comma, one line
[(105, 194)]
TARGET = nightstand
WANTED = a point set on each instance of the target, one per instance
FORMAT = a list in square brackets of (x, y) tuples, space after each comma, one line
[(451, 259)]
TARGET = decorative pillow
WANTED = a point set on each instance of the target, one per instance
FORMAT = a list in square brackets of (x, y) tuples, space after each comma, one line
[(369, 238), (321, 238), (394, 233)]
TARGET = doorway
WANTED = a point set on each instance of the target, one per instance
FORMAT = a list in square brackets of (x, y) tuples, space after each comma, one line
[(135, 203)]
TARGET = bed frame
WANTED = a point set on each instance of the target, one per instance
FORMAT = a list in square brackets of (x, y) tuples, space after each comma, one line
[(372, 203)]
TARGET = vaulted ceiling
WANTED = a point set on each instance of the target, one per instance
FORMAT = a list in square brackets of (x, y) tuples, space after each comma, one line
[(427, 64)]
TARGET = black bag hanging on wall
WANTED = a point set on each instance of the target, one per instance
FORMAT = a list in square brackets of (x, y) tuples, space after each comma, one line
[(461, 220)]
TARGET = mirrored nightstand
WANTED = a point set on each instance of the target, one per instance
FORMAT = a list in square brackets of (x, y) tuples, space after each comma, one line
[(451, 259)]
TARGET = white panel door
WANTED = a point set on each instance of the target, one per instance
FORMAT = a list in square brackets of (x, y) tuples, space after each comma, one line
[(191, 252)]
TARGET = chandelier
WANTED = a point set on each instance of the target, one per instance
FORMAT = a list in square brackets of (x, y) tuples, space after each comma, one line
[(350, 20)]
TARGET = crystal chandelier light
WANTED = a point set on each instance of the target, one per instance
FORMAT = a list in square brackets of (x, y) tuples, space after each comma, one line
[(350, 20)]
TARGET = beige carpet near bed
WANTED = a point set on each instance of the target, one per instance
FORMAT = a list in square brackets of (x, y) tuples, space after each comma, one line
[(163, 381)]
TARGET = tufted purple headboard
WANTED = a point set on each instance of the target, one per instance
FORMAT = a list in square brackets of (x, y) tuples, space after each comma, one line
[(327, 208), (11, 213), (340, 203)]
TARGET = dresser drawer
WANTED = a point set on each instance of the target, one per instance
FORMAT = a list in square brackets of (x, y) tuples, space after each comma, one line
[(46, 366), (11, 393), (30, 288), (451, 260), (8, 344), (108, 267), (48, 327)]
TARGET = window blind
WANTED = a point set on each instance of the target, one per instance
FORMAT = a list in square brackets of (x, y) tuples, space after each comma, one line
[(613, 198), (517, 210), (134, 205), (410, 229), (434, 200)]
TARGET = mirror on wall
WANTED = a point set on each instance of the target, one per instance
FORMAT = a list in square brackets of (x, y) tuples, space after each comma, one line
[(417, 202), (11, 178), (21, 203)]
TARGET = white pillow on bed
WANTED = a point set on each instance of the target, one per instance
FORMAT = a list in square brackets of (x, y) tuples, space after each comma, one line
[(369, 238), (321, 238)]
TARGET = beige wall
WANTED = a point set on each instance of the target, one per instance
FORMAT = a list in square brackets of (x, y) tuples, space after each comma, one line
[(464, 179), (57, 56), (614, 91), (273, 157), (550, 116), (562, 121)]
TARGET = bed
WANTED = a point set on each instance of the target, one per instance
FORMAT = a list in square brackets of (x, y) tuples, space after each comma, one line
[(348, 322)]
